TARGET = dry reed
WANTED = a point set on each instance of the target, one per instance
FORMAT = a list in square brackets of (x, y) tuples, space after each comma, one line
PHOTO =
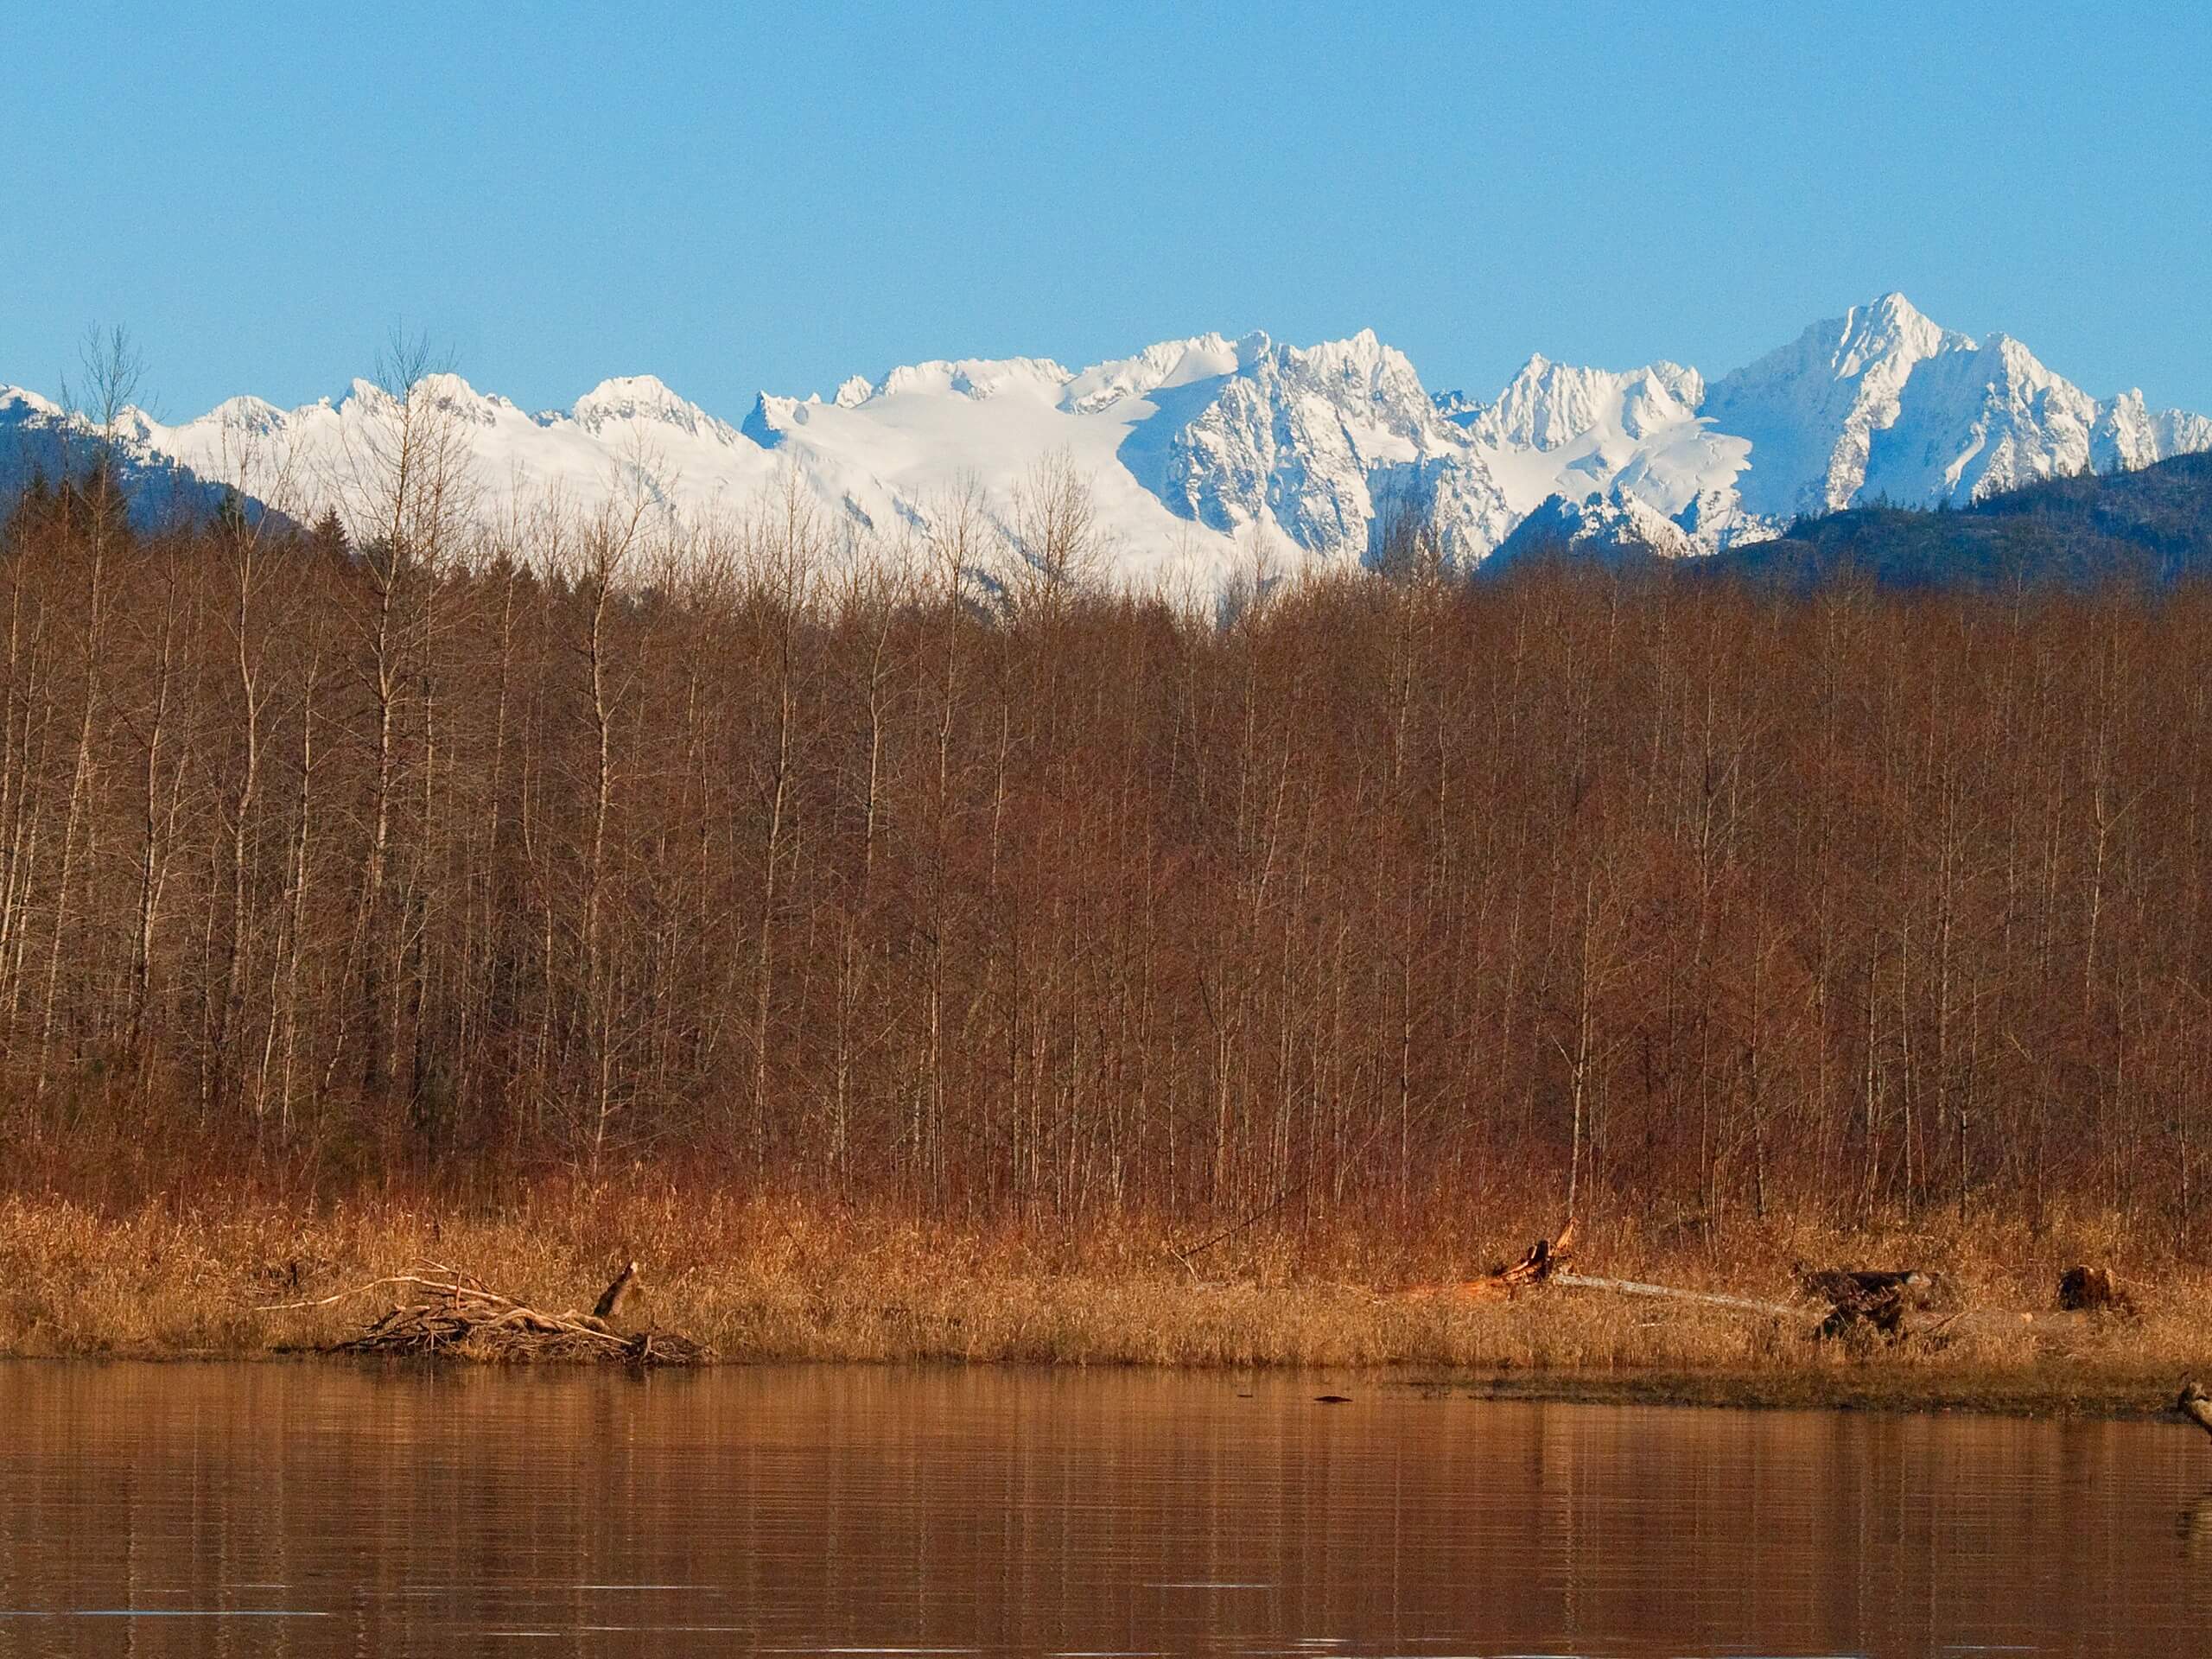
[(768, 1277)]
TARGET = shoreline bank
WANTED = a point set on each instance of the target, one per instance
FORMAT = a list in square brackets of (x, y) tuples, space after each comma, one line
[(2118, 1391), (238, 1275)]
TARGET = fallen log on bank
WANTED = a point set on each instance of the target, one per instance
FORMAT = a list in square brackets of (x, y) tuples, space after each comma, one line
[(461, 1318), (1710, 1298), (1841, 1300), (1541, 1265), (1897, 1305), (1857, 1305)]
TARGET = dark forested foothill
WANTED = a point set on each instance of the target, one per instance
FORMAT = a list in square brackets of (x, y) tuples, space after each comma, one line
[(2153, 525), (1583, 889)]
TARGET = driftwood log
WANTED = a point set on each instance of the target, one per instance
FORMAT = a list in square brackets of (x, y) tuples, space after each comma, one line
[(1709, 1298), (1544, 1264)]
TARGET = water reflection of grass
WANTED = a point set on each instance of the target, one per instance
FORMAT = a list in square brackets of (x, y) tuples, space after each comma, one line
[(770, 1278), (2193, 1526)]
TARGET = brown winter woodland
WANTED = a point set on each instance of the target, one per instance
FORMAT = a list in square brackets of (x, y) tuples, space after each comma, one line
[(1567, 891)]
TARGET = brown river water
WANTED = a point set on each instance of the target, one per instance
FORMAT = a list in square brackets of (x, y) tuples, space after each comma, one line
[(317, 1509)]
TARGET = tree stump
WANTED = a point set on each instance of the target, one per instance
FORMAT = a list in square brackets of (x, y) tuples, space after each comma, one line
[(1881, 1300), (610, 1299), (2092, 1290)]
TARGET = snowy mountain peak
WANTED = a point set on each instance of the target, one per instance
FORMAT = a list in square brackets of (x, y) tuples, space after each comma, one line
[(1892, 328), (976, 377), (1165, 366), (771, 416), (2014, 361), (1686, 385), (1811, 408), (1361, 353), (629, 400), (450, 392), (2129, 433), (1320, 443), (442, 389), (20, 402), (624, 397), (1548, 405), (1363, 360), (246, 410)]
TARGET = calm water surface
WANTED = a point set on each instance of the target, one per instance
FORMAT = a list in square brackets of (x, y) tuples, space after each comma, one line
[(315, 1509)]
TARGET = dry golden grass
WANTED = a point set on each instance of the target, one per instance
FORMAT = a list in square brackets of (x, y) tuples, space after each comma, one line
[(765, 1278)]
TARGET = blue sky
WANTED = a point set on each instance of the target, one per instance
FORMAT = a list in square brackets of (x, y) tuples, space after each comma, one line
[(733, 197)]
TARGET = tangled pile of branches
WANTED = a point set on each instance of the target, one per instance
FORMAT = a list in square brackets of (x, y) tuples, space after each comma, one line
[(454, 1315)]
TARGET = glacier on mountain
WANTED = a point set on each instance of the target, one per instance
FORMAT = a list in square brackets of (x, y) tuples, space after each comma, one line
[(1201, 452)]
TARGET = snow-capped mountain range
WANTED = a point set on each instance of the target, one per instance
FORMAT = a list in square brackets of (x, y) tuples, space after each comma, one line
[(1197, 450)]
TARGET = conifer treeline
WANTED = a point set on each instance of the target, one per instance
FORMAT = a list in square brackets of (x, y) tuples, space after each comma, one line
[(1567, 888)]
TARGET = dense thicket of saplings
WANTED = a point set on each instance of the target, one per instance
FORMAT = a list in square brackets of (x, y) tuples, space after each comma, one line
[(1570, 888)]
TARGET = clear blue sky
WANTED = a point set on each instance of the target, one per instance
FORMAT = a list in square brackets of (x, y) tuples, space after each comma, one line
[(735, 197)]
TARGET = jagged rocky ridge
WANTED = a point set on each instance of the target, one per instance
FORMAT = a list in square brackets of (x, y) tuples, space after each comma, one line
[(1203, 454)]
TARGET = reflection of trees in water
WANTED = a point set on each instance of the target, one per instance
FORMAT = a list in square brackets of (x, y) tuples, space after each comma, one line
[(2193, 1525)]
